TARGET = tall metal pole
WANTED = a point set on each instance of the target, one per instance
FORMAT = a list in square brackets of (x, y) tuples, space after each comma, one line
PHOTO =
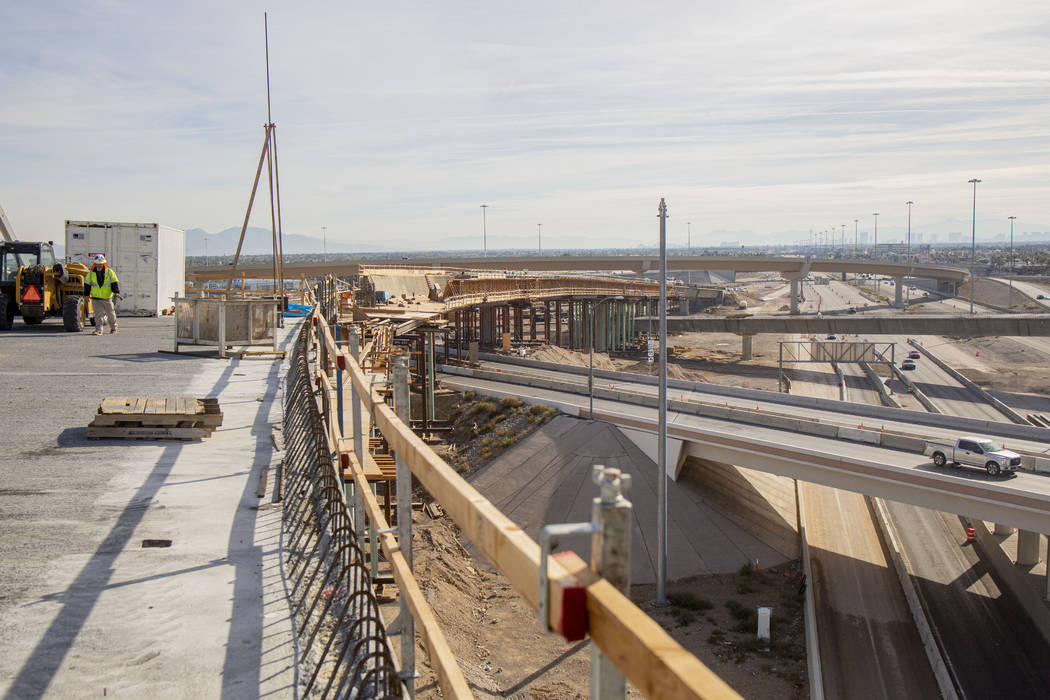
[(973, 241), (1010, 303), (689, 235), (539, 239), (875, 253), (907, 260), (661, 450), (856, 224), (484, 231), (324, 243)]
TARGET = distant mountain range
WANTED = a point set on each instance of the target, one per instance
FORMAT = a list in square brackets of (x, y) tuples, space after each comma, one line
[(259, 241)]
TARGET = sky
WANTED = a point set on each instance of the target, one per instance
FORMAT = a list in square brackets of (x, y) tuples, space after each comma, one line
[(758, 121)]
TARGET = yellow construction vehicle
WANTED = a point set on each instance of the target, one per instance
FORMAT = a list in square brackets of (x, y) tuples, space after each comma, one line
[(34, 285)]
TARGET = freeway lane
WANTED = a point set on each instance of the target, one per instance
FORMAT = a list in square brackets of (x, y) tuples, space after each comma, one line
[(905, 425), (1022, 500)]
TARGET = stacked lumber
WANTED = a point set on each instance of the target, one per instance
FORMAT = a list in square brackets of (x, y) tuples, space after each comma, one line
[(142, 418)]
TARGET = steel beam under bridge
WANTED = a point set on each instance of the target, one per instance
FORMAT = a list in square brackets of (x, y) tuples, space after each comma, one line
[(867, 324)]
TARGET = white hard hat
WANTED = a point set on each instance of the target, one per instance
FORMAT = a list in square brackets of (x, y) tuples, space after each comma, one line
[(99, 258)]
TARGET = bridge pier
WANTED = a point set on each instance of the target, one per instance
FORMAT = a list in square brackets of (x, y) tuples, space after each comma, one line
[(1003, 530), (898, 291), (488, 325), (601, 328), (747, 345), (1027, 548), (794, 297)]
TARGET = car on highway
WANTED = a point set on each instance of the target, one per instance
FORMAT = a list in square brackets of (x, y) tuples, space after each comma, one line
[(976, 452), (832, 336), (908, 364), (1040, 296), (914, 355), (853, 309)]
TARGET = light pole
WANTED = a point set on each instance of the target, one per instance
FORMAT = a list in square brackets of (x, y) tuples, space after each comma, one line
[(856, 224), (689, 235), (590, 353), (324, 243), (484, 231), (661, 431), (973, 241), (539, 238), (907, 259), (1010, 304), (875, 252), (843, 240)]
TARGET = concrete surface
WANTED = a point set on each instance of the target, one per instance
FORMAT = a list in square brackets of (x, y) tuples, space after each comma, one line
[(867, 324), (546, 478), (85, 610)]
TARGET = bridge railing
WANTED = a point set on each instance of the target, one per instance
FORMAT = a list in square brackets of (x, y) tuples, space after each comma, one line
[(646, 654)]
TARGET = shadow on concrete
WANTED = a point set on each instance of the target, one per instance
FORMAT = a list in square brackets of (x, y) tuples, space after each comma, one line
[(242, 661), (546, 478)]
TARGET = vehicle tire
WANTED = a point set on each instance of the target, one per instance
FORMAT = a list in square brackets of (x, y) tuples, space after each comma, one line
[(939, 459), (73, 314), (7, 313), (992, 468), (32, 320)]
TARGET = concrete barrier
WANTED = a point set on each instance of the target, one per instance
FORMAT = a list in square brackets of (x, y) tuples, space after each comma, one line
[(965, 425), (880, 386), (918, 614), (859, 435), (816, 680), (959, 377)]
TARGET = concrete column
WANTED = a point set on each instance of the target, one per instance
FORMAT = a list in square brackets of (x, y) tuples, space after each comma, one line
[(488, 323), (746, 346), (1027, 548), (1003, 530), (558, 340), (898, 293), (794, 297), (601, 328)]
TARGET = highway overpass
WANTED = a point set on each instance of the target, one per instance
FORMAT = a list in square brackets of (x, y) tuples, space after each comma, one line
[(883, 470), (789, 267), (866, 324)]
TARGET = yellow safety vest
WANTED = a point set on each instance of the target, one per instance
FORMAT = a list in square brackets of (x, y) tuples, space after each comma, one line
[(104, 289)]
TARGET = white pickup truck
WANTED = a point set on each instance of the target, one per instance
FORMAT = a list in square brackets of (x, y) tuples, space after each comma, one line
[(977, 452)]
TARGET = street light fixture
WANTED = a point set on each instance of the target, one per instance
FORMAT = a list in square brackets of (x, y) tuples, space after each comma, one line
[(539, 239), (856, 224), (1010, 303), (590, 353), (484, 231), (973, 241)]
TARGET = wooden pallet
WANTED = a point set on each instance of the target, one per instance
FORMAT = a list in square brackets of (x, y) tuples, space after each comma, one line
[(171, 418)]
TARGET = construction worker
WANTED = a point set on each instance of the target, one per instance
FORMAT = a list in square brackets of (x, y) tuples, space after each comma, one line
[(101, 285)]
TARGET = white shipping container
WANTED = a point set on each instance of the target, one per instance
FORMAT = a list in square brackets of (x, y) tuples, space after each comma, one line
[(149, 259)]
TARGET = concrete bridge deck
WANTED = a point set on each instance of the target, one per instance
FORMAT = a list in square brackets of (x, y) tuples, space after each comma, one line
[(85, 609)]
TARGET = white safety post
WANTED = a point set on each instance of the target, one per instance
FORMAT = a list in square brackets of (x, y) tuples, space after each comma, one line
[(610, 559)]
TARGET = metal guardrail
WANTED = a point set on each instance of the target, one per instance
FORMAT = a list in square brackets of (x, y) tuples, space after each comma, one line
[(338, 624)]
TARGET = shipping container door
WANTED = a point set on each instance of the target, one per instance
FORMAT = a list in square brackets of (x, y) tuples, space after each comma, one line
[(135, 264)]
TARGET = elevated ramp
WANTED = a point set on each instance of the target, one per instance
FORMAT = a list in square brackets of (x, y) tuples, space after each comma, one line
[(546, 478)]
